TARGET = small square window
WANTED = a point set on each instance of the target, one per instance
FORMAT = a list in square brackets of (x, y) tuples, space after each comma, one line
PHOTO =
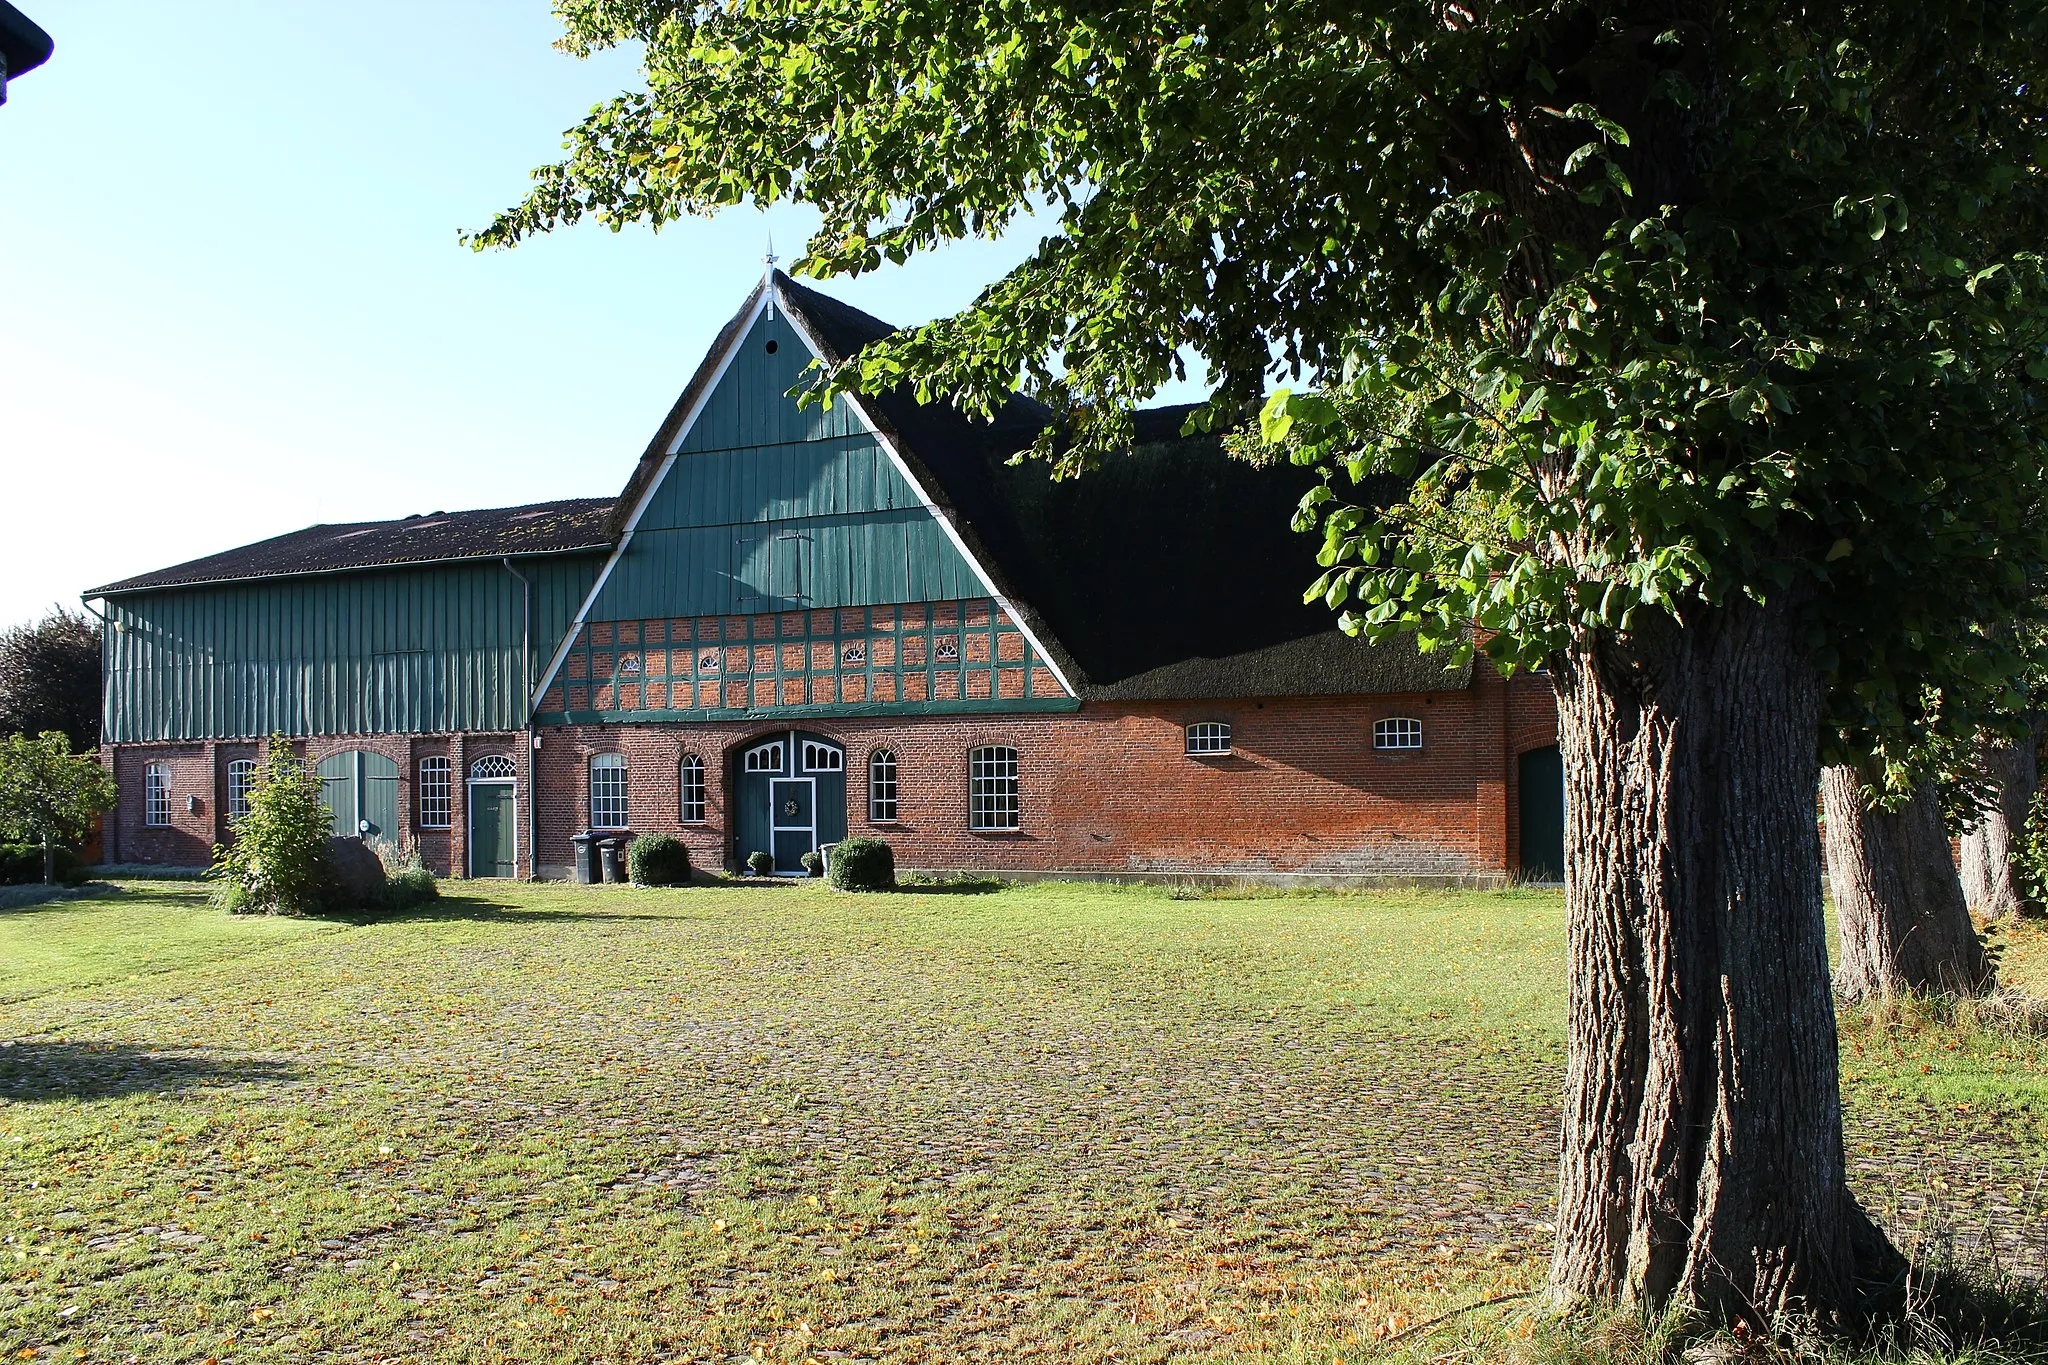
[(1397, 733), (1209, 737)]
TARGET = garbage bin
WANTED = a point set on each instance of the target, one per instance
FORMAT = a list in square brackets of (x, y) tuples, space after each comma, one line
[(586, 858), (615, 857)]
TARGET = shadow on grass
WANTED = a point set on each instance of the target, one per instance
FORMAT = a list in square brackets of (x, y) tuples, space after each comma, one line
[(32, 1072), (957, 886)]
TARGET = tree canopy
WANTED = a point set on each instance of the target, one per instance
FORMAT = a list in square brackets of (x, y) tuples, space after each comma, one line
[(50, 678)]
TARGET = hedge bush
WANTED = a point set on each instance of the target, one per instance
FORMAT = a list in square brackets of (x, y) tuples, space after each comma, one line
[(21, 864), (862, 864), (658, 860), (761, 863), (813, 863)]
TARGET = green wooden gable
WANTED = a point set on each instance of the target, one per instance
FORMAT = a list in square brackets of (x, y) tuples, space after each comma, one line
[(773, 506)]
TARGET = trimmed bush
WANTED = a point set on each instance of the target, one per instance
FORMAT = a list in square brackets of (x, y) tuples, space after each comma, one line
[(280, 862), (761, 864), (21, 864), (813, 863), (658, 860), (862, 864), (409, 888)]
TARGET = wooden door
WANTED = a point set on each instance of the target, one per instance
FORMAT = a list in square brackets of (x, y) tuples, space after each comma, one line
[(493, 830)]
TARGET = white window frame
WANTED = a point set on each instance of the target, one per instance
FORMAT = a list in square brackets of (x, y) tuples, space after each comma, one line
[(690, 790), (156, 795), (765, 758), (608, 795), (823, 758), (883, 791), (436, 792), (1397, 735), (494, 768), (995, 795), (241, 781), (1208, 739)]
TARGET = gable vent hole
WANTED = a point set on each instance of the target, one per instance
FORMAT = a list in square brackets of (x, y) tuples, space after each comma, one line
[(770, 348)]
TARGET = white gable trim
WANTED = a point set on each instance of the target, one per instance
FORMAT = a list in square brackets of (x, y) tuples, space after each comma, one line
[(940, 514), (720, 363)]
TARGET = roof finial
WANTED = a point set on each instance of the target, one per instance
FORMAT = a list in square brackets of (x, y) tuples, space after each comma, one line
[(770, 261)]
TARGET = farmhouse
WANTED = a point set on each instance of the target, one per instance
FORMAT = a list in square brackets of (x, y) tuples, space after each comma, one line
[(797, 623)]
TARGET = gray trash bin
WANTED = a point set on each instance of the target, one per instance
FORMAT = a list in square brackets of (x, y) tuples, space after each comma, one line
[(614, 850), (587, 870)]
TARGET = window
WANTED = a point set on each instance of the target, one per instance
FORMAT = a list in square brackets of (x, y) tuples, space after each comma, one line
[(692, 785), (1397, 732), (854, 655), (156, 795), (241, 780), (493, 768), (765, 758), (608, 791), (435, 803), (882, 786), (947, 649), (823, 758), (992, 788), (709, 661), (1209, 737)]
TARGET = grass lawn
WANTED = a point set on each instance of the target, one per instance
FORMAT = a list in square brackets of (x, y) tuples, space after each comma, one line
[(1072, 1123)]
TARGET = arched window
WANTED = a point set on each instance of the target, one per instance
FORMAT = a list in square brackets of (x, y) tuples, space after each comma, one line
[(608, 791), (691, 784), (1397, 732), (241, 781), (1209, 737), (494, 768), (156, 795), (765, 758), (823, 758), (436, 802), (882, 786), (992, 798)]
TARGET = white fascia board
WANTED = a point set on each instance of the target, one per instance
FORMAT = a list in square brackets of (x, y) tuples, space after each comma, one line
[(720, 364), (939, 514)]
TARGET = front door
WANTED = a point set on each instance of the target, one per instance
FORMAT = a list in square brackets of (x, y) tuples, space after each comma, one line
[(493, 846), (1540, 776), (360, 791), (794, 821)]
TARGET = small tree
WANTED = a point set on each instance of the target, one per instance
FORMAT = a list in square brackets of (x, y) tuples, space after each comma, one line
[(48, 794), (277, 861), (50, 678)]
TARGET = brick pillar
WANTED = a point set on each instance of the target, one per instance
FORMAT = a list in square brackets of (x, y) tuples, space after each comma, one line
[(458, 797)]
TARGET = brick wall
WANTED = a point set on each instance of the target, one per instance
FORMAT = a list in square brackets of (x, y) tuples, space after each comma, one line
[(1109, 788)]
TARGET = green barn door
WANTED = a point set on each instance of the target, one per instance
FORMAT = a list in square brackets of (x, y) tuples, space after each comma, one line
[(360, 791), (1541, 774), (337, 774), (493, 834)]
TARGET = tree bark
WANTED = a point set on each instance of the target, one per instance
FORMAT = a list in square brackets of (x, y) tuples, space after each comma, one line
[(1989, 886), (1702, 1161), (1905, 927)]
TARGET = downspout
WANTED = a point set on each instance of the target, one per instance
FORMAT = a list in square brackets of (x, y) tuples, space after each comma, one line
[(527, 703), (109, 842)]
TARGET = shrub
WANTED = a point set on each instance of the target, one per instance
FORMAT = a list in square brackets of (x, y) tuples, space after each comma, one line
[(21, 864), (658, 860), (279, 862), (862, 864), (410, 887), (813, 863), (761, 864)]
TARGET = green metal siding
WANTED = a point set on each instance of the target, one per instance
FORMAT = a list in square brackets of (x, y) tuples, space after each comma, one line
[(769, 506), (372, 652)]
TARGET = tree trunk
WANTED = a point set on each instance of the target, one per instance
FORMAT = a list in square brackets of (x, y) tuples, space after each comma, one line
[(1898, 899), (1702, 1161), (49, 860), (1988, 882)]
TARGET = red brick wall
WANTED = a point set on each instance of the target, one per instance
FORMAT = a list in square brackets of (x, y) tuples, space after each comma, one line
[(1110, 788), (1105, 789)]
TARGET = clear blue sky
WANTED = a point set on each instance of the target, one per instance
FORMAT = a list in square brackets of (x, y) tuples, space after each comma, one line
[(234, 303)]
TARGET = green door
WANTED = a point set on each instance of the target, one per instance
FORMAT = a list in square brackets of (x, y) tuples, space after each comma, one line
[(1541, 779), (493, 833), (360, 791)]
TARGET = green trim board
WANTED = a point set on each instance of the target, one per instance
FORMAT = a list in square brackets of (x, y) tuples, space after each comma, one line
[(844, 711)]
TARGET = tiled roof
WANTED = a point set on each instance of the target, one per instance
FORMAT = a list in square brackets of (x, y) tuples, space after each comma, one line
[(537, 528)]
